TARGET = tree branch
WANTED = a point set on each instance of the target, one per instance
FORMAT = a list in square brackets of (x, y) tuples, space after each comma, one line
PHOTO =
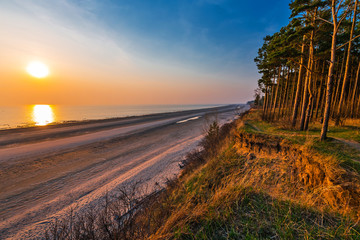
[(325, 20), (304, 66), (338, 9), (348, 42), (343, 17), (338, 22)]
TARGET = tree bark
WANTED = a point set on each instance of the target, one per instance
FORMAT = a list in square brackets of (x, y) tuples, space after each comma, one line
[(345, 84), (354, 90), (330, 78), (283, 92), (338, 83), (310, 69), (319, 96), (265, 101), (276, 93), (298, 88), (306, 86), (286, 94), (292, 96), (271, 97)]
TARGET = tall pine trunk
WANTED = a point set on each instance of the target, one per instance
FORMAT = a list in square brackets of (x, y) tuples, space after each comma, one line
[(276, 93), (319, 96), (310, 90), (298, 87), (353, 102), (344, 89), (306, 88), (265, 101), (330, 78)]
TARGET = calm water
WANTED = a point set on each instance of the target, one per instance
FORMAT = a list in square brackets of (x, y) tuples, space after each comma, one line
[(11, 117)]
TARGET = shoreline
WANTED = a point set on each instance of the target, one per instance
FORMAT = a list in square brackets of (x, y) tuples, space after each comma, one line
[(60, 130), (38, 178), (103, 120)]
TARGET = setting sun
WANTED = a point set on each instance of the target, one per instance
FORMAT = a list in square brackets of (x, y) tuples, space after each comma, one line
[(42, 115), (37, 69)]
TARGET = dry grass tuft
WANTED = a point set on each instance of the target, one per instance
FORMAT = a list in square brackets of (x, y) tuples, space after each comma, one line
[(296, 172), (241, 185)]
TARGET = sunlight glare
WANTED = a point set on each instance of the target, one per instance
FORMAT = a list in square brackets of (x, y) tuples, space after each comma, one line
[(37, 69), (43, 115)]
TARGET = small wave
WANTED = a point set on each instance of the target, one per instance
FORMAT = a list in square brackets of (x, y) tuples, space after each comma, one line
[(189, 119)]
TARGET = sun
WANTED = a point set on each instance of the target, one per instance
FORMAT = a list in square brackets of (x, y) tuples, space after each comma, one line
[(43, 114), (37, 69)]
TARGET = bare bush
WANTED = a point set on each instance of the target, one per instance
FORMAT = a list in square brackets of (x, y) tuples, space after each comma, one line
[(113, 220)]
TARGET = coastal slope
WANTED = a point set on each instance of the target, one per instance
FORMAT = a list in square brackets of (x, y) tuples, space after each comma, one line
[(58, 170)]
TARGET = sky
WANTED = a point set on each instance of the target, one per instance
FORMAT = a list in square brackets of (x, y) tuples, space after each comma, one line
[(113, 52)]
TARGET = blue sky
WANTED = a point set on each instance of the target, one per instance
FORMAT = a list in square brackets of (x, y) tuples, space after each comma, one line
[(180, 46), (207, 34)]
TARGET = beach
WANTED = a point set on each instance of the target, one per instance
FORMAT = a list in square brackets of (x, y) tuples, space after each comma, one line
[(47, 171)]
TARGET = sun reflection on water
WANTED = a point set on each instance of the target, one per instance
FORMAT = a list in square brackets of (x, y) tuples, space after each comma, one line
[(42, 115)]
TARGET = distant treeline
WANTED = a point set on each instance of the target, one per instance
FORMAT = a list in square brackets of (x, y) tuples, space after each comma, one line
[(310, 68)]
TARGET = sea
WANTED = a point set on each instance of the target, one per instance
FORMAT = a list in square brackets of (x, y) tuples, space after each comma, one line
[(42, 114)]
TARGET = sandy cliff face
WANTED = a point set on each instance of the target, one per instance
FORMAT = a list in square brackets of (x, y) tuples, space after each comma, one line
[(295, 172)]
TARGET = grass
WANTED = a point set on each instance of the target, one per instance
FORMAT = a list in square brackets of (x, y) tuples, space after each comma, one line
[(215, 203), (234, 189), (235, 196), (349, 131), (346, 155), (256, 215)]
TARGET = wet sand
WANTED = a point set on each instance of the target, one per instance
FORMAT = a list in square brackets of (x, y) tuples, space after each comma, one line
[(45, 171)]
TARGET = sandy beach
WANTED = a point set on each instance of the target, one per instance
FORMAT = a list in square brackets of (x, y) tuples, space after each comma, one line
[(46, 171)]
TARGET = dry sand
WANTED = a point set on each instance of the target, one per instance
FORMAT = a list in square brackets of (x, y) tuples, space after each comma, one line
[(46, 171)]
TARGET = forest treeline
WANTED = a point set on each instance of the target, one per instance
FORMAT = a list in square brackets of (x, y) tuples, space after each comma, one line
[(310, 68)]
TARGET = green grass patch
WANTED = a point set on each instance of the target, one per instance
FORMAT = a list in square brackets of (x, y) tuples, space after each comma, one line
[(256, 215), (218, 208), (349, 131), (347, 156)]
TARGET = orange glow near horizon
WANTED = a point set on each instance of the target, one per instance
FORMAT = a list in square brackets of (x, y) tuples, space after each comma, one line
[(42, 115), (62, 56)]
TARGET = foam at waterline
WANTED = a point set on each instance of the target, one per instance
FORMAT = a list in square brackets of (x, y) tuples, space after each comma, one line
[(189, 119)]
